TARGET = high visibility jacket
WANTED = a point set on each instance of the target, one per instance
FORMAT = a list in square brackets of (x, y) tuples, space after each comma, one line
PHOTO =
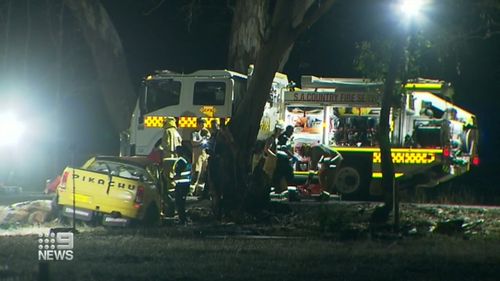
[(324, 155), (171, 139), (182, 173)]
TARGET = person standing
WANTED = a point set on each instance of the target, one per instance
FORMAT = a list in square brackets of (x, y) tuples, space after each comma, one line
[(181, 183), (277, 163), (199, 144), (212, 161), (268, 151), (170, 140), (284, 141), (285, 138), (214, 131), (272, 140), (283, 173)]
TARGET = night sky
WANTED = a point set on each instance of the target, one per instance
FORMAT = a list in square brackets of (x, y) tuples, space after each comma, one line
[(169, 38)]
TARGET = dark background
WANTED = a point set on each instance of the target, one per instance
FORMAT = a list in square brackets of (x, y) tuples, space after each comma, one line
[(181, 39)]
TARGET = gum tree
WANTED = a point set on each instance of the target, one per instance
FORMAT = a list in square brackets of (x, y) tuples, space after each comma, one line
[(262, 33)]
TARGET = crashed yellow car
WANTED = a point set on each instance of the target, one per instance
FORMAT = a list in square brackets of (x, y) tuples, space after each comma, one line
[(112, 190)]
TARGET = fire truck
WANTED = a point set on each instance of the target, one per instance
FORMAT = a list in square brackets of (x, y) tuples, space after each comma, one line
[(433, 140)]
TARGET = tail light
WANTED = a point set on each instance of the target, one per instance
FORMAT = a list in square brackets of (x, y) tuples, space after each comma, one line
[(64, 180), (446, 152), (475, 160), (139, 197)]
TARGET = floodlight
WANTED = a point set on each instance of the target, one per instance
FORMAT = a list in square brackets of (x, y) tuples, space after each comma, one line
[(11, 129)]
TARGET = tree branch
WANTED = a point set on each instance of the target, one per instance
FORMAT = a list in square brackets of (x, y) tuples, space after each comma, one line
[(150, 11), (315, 12)]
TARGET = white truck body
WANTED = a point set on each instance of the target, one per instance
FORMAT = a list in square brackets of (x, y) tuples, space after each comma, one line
[(208, 94)]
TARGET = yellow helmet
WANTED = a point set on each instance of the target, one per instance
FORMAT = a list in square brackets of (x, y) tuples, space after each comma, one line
[(170, 122), (280, 124)]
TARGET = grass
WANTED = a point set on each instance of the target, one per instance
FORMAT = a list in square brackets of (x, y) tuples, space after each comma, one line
[(138, 257)]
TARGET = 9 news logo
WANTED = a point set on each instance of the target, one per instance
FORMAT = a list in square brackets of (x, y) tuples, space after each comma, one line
[(55, 246)]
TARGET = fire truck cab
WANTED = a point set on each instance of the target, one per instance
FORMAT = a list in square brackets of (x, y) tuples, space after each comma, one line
[(208, 94)]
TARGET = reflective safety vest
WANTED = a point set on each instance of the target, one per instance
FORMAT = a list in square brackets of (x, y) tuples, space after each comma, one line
[(182, 172), (330, 161)]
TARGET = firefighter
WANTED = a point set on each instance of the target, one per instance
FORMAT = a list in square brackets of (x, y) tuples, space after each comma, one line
[(277, 163), (328, 158), (181, 181), (170, 140), (268, 151), (199, 143), (283, 174), (285, 138), (272, 141)]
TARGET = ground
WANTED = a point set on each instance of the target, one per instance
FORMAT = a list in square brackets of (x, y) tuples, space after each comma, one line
[(146, 256), (302, 241)]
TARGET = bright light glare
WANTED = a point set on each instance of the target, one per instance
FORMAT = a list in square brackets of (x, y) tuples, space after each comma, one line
[(411, 8), (11, 129)]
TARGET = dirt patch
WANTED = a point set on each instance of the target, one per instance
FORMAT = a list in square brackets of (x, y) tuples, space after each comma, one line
[(351, 221), (327, 220)]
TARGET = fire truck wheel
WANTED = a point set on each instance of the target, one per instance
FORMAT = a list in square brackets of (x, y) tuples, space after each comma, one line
[(350, 182)]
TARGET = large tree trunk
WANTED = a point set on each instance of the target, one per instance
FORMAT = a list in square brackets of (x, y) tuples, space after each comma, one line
[(245, 129), (289, 19), (249, 24), (109, 59)]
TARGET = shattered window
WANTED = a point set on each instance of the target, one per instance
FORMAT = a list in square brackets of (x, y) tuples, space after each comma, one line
[(119, 169)]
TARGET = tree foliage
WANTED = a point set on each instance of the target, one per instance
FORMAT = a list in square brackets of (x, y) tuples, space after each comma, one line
[(374, 56), (400, 56)]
